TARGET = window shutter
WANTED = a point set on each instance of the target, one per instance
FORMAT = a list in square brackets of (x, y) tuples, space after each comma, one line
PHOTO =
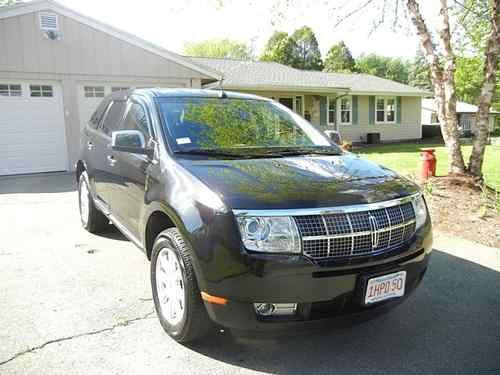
[(398, 110), (322, 111), (355, 110), (371, 110)]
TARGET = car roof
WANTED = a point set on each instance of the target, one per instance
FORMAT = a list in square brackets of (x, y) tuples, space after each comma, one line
[(158, 92)]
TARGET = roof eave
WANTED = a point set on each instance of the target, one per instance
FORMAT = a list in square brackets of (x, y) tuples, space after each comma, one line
[(264, 87)]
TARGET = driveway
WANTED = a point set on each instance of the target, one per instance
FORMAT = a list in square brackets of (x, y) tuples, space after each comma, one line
[(76, 303)]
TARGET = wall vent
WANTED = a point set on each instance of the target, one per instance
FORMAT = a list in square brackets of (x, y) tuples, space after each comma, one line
[(49, 21)]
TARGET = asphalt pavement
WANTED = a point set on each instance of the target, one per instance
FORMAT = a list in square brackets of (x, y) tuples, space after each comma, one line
[(76, 303)]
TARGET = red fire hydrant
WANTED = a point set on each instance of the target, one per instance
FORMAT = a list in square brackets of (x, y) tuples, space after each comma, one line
[(429, 160)]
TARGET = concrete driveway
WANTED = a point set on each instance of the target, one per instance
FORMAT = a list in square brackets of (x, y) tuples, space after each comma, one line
[(75, 303)]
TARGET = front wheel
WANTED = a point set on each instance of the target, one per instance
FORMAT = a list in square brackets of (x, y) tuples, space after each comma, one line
[(92, 219), (176, 296)]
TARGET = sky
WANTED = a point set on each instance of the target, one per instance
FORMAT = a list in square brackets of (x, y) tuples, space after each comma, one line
[(171, 23)]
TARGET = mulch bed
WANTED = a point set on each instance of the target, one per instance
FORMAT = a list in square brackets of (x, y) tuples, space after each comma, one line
[(460, 207)]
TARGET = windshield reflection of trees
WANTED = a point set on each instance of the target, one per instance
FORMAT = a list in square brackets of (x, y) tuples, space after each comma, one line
[(220, 123)]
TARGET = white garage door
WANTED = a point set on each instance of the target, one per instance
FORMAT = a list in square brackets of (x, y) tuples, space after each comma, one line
[(90, 95), (32, 137)]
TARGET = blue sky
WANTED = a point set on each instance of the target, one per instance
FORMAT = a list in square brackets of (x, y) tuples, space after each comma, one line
[(170, 23)]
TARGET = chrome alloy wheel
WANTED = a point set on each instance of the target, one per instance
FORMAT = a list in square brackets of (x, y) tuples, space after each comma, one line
[(170, 286), (84, 201)]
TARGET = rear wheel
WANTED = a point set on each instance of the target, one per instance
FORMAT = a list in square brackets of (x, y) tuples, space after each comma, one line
[(92, 219), (176, 296)]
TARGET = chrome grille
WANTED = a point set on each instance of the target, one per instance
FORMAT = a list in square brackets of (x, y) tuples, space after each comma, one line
[(354, 234)]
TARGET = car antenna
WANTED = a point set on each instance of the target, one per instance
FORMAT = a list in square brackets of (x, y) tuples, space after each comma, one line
[(222, 93)]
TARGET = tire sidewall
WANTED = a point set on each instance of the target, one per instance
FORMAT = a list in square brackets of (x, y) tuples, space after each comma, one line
[(177, 330), (84, 180)]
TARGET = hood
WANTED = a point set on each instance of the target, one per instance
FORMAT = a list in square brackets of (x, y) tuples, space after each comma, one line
[(299, 182)]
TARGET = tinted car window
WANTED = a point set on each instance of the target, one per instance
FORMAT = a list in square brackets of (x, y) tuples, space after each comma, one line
[(136, 119), (97, 115), (113, 117), (208, 123)]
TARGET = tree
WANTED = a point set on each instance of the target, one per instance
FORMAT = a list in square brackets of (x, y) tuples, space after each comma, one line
[(468, 78), (491, 52), (307, 49), (339, 59), (419, 74), (4, 3), (382, 66), (280, 48), (222, 48)]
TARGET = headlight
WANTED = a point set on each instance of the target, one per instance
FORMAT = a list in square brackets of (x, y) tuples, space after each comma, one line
[(420, 211), (270, 234)]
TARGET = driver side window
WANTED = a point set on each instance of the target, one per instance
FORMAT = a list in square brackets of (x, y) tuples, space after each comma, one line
[(137, 119)]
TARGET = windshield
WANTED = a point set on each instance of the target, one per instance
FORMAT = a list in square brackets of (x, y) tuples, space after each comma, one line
[(236, 125)]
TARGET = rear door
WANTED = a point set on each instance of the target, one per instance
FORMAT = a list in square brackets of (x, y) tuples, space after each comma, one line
[(128, 194), (105, 169)]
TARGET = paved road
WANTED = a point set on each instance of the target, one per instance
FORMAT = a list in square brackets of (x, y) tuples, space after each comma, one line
[(75, 303)]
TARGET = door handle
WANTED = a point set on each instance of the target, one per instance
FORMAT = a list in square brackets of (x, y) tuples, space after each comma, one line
[(111, 160), (90, 146)]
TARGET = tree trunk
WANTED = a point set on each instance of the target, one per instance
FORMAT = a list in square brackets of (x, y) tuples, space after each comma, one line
[(442, 82), (487, 92)]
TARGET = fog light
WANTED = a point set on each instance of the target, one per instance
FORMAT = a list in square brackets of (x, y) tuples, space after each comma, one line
[(274, 309)]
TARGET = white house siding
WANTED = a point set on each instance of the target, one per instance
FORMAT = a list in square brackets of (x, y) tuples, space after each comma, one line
[(410, 127), (84, 54)]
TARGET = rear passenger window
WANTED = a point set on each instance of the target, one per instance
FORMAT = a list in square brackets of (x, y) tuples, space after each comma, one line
[(136, 119), (113, 117), (97, 115)]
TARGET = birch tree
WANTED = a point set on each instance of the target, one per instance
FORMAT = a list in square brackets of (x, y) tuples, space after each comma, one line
[(491, 52)]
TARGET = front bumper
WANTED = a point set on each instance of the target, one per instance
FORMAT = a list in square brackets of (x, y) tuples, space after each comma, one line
[(346, 303), (321, 291)]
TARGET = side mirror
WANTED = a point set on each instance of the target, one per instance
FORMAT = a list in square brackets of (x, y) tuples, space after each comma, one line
[(131, 141)]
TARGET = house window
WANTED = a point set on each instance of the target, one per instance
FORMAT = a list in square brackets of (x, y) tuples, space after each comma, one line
[(37, 91), (94, 91), (115, 89), (385, 110), (345, 112), (331, 111), (298, 105), (434, 118), (10, 90)]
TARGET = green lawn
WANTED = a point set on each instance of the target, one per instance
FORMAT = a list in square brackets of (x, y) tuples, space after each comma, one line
[(404, 158)]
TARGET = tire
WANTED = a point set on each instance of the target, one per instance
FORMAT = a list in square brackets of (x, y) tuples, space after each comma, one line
[(92, 219), (171, 253)]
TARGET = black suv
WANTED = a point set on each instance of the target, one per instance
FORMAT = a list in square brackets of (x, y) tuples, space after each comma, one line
[(251, 217)]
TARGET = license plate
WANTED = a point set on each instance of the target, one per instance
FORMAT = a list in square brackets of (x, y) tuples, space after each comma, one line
[(384, 287)]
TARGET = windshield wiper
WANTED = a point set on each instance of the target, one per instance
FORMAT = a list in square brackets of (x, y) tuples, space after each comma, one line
[(305, 151), (215, 152)]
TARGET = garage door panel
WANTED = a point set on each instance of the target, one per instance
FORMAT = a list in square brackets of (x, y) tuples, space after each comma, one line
[(32, 129)]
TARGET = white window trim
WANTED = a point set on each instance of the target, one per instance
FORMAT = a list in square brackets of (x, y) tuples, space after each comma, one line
[(339, 110), (293, 101), (328, 100), (303, 98), (385, 98)]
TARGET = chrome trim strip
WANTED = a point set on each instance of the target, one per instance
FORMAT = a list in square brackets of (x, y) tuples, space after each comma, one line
[(357, 234), (326, 210)]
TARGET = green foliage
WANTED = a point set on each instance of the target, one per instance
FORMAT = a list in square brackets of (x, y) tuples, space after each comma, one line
[(4, 3), (339, 59), (281, 49), (395, 69), (419, 74), (222, 48), (468, 78), (307, 49)]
